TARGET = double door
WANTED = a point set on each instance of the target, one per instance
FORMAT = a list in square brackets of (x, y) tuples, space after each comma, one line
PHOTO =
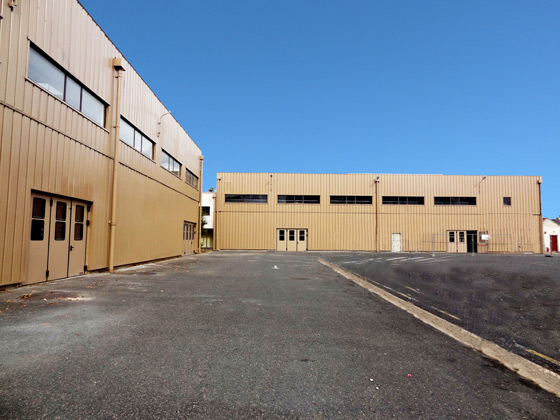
[(291, 239), (189, 235), (456, 241), (58, 238)]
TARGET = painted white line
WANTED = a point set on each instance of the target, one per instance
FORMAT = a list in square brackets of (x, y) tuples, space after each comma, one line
[(397, 258), (545, 378), (414, 290)]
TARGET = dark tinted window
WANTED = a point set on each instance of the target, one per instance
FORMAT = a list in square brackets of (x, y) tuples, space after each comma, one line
[(78, 231), (403, 200), (79, 213), (455, 201), (507, 201), (59, 231), (247, 198), (39, 205), (60, 210), (299, 199), (351, 199), (205, 211), (37, 230)]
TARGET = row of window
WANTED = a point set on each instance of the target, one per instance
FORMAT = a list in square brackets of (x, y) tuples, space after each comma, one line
[(58, 82), (356, 199), (61, 84)]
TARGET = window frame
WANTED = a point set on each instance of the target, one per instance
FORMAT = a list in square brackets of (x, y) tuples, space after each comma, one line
[(402, 200), (294, 199), (247, 198), (454, 201), (171, 159), (66, 75), (508, 203), (351, 200), (135, 133), (189, 175)]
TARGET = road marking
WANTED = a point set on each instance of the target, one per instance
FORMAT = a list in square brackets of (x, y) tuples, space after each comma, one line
[(397, 258), (406, 296), (446, 313), (544, 378), (545, 357), (414, 290)]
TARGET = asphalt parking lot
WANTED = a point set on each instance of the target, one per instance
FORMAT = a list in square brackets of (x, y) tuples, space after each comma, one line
[(511, 300), (232, 335)]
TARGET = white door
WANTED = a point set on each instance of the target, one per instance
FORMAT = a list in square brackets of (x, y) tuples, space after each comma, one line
[(396, 242)]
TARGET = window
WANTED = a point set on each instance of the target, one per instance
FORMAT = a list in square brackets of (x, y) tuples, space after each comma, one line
[(79, 223), (247, 198), (205, 211), (134, 138), (192, 179), (38, 219), (59, 83), (507, 201), (302, 235), (170, 163), (451, 236), (403, 200), (351, 199), (299, 199), (281, 235), (455, 201), (292, 235)]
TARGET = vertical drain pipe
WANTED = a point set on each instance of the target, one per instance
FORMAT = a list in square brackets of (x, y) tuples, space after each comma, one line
[(117, 66), (201, 159), (376, 215)]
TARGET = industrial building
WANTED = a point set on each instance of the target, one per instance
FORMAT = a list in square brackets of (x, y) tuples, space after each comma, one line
[(94, 170), (378, 212)]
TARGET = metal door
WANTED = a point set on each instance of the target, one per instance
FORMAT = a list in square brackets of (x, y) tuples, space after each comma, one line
[(292, 240), (78, 238), (189, 233), (38, 246), (281, 243), (396, 243), (302, 240), (457, 241), (553, 243), (59, 238)]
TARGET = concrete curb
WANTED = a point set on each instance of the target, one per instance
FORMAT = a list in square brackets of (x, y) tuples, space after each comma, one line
[(544, 378)]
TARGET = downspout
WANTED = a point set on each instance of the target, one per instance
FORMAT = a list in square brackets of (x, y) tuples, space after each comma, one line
[(376, 216), (216, 212), (541, 234), (113, 220), (201, 160)]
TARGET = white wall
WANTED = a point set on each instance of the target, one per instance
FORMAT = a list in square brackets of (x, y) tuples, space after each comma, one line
[(549, 228), (208, 201)]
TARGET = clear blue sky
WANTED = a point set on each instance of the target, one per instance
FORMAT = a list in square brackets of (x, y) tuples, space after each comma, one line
[(450, 87)]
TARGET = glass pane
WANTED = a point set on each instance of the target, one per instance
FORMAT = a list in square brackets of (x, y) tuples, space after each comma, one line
[(205, 211), (451, 236), (282, 199), (364, 199), (79, 214), (338, 199), (302, 235), (292, 235), (507, 201), (165, 161), (46, 74), (39, 205), (259, 198), (37, 230), (137, 141), (147, 147), (78, 231), (59, 231), (126, 133), (311, 199), (461, 236), (390, 200), (93, 108), (60, 210), (73, 93), (282, 235)]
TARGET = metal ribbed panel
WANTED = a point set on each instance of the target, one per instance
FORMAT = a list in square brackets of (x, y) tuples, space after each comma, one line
[(514, 228), (48, 146)]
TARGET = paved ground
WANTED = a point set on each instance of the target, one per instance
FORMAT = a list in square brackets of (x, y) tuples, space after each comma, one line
[(239, 335), (512, 300)]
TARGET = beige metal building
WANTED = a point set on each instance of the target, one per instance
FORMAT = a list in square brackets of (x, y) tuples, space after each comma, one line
[(94, 171), (378, 212)]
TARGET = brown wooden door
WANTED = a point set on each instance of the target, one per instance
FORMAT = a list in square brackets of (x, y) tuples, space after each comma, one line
[(553, 243)]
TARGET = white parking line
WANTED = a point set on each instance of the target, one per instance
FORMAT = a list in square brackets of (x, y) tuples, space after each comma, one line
[(397, 258)]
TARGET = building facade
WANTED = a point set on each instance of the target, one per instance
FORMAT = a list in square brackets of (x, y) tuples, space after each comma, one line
[(378, 212), (551, 232), (94, 171), (207, 236)]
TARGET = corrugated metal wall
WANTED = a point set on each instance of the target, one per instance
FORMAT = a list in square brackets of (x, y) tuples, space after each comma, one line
[(514, 228), (48, 146)]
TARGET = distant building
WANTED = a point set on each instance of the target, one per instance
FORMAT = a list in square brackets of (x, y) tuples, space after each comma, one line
[(207, 239), (551, 232), (378, 212)]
